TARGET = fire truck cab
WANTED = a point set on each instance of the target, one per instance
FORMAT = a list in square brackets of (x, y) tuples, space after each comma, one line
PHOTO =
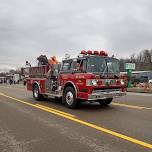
[(92, 76)]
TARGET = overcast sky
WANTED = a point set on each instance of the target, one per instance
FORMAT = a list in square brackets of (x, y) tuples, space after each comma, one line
[(29, 28)]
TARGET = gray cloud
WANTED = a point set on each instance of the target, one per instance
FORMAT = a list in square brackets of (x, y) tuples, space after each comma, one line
[(60, 26)]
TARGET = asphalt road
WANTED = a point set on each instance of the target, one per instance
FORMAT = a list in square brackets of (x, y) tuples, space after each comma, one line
[(27, 125)]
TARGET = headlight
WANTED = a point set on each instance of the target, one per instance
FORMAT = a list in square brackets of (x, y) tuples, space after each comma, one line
[(94, 82), (91, 82), (122, 82)]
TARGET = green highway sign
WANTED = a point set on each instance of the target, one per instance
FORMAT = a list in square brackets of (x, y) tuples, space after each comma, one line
[(130, 66)]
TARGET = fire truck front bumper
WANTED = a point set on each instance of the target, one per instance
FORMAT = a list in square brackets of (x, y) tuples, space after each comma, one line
[(105, 94)]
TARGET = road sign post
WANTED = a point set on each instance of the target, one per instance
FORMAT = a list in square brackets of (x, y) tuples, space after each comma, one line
[(129, 73), (129, 67)]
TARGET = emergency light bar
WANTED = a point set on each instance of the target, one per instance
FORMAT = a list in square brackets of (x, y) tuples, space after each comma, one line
[(89, 52)]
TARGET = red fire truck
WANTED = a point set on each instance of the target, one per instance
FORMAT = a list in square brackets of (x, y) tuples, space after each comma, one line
[(92, 76)]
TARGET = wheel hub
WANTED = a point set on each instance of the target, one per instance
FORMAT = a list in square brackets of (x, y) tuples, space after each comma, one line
[(69, 98), (36, 92)]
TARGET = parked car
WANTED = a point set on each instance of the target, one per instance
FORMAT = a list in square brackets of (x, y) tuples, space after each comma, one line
[(150, 81)]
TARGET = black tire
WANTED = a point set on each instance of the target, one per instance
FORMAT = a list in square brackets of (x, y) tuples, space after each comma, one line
[(36, 93), (69, 98), (24, 83), (105, 102)]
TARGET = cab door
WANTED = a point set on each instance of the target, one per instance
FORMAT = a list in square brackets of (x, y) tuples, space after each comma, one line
[(70, 73), (65, 72)]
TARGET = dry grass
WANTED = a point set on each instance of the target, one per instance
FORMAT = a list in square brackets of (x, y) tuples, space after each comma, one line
[(140, 89)]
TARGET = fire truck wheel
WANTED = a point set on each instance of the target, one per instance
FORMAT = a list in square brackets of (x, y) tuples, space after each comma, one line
[(69, 98), (105, 102), (36, 93)]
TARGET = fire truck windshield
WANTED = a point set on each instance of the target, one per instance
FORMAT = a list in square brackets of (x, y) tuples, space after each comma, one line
[(112, 65), (103, 65)]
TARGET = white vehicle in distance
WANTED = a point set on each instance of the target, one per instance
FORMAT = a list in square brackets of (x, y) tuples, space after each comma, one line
[(150, 81)]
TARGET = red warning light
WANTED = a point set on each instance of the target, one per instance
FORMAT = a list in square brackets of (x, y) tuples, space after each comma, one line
[(106, 54), (89, 52), (96, 52), (83, 52), (103, 53)]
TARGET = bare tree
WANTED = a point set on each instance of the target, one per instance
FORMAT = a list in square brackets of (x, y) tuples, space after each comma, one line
[(143, 60), (133, 58)]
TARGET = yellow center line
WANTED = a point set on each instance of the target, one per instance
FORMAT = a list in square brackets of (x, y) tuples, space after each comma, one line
[(38, 106), (99, 128), (52, 109), (2, 94), (131, 106)]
